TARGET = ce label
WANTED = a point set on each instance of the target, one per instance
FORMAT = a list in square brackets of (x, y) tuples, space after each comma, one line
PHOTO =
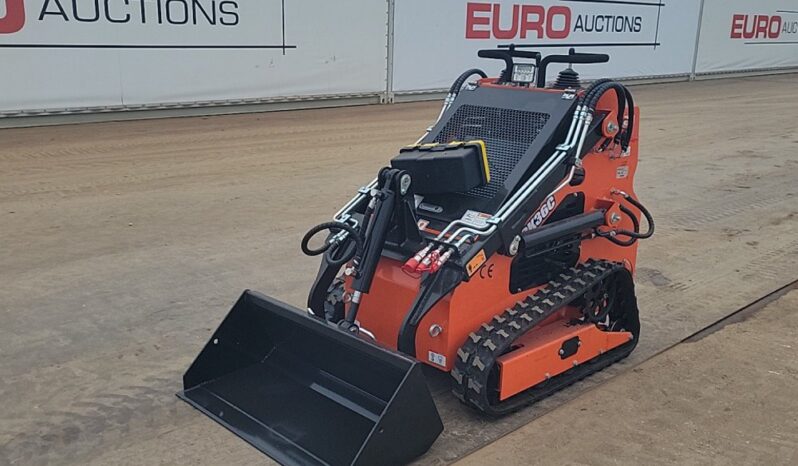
[(487, 272)]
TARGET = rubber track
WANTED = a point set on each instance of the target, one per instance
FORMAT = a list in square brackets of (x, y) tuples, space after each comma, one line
[(476, 358)]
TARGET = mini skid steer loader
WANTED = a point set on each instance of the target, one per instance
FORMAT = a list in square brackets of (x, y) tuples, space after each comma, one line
[(499, 248)]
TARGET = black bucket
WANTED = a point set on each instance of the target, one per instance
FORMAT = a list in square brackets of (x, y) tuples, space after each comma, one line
[(306, 393)]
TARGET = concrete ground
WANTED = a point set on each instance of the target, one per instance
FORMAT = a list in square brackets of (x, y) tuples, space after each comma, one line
[(726, 399), (124, 245)]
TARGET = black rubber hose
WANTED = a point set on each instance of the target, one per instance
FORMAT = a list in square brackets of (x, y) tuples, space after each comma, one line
[(597, 90), (620, 91), (615, 240), (340, 254), (593, 87), (458, 83), (631, 128), (647, 214), (633, 235), (631, 215), (597, 93), (366, 220), (623, 94), (334, 227)]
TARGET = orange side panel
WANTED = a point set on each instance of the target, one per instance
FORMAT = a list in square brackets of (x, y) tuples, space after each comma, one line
[(538, 357), (472, 304)]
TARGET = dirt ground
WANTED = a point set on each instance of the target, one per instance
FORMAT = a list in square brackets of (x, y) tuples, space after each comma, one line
[(124, 245), (707, 402)]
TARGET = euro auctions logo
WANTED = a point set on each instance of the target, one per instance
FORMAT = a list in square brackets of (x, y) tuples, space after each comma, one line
[(14, 18), (595, 22), (767, 27)]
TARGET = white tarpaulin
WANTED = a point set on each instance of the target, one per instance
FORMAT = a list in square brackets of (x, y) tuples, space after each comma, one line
[(88, 53), (438, 39), (741, 35)]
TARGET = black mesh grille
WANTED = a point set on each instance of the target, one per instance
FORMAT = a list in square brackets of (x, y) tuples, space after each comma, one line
[(507, 134)]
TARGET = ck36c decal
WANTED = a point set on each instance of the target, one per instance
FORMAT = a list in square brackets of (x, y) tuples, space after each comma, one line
[(542, 214)]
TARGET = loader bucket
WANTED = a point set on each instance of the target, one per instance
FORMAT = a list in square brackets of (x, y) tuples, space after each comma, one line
[(304, 392)]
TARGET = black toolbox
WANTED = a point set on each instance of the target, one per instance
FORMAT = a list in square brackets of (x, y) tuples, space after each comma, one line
[(445, 168)]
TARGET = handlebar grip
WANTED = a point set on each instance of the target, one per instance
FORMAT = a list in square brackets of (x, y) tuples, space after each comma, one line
[(588, 58), (525, 54), (578, 58), (498, 54)]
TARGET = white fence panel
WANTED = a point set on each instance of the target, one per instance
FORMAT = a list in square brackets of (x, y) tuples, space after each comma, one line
[(105, 53), (438, 39), (109, 54), (742, 35)]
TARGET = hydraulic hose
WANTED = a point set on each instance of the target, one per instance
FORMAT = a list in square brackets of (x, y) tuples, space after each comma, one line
[(621, 94), (458, 83), (632, 235), (631, 127), (593, 87), (595, 96), (334, 227), (631, 215), (647, 214), (598, 89), (340, 254)]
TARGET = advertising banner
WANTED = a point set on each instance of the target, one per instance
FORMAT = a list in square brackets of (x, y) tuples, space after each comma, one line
[(60, 54), (437, 40), (739, 35)]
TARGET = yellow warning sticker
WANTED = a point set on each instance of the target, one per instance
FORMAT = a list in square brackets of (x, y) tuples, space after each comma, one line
[(474, 264)]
